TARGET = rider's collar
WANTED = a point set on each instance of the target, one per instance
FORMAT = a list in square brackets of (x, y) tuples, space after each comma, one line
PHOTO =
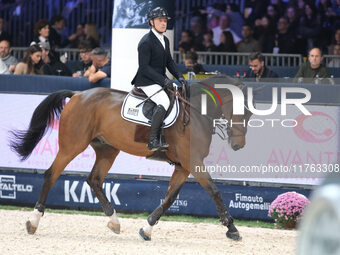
[(159, 37)]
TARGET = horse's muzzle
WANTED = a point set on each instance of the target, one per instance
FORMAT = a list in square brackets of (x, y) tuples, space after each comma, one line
[(236, 147)]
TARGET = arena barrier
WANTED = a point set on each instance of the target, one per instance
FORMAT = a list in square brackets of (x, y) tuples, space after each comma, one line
[(241, 58), (46, 83), (138, 195), (282, 71)]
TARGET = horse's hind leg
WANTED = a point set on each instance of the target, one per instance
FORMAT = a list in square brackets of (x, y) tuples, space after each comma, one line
[(105, 155), (207, 183), (51, 175), (177, 180)]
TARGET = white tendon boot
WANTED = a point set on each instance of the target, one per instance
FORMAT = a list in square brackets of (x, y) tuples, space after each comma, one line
[(114, 224), (33, 222), (145, 232)]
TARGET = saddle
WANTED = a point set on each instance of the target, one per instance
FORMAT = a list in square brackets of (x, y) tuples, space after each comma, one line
[(139, 110)]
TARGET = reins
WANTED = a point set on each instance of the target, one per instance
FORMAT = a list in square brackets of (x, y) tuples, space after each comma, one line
[(186, 116)]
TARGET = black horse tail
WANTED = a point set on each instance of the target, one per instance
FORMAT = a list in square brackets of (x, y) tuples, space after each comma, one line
[(23, 142)]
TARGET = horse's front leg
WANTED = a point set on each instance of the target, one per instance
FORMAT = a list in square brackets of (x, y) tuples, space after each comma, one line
[(207, 183), (177, 180), (105, 156)]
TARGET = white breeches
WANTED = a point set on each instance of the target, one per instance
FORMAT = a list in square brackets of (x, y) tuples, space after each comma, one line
[(161, 98)]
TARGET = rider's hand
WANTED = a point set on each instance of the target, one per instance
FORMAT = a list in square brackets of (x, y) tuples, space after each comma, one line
[(168, 83), (182, 81)]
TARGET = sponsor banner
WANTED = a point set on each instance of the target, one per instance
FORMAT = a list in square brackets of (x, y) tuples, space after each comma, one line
[(314, 141), (16, 112), (140, 195), (291, 149)]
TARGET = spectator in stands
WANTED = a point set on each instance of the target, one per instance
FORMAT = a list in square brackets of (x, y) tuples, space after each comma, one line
[(186, 43), (31, 63), (5, 50), (335, 62), (273, 13), (58, 23), (227, 42), (258, 69), (292, 18), (324, 8), (300, 7), (264, 32), (3, 68), (51, 64), (224, 25), (77, 37), (85, 63), (191, 64), (237, 21), (101, 66), (198, 30), (248, 43), (42, 33), (284, 41), (208, 43), (310, 26), (3, 34), (313, 68), (279, 6), (92, 34), (254, 9), (334, 12), (335, 41)]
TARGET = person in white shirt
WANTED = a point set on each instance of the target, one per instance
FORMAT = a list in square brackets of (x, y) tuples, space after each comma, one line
[(224, 25)]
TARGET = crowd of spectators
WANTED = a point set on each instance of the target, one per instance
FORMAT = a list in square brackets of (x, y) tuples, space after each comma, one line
[(41, 56), (268, 26)]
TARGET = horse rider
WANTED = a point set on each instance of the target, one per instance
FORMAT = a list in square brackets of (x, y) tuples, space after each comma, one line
[(153, 59)]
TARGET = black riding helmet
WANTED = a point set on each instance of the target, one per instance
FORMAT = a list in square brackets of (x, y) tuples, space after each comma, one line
[(158, 12)]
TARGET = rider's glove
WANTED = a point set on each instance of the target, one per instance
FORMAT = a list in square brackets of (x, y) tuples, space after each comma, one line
[(168, 83), (182, 81)]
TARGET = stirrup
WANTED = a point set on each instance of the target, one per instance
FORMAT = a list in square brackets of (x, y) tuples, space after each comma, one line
[(154, 145), (163, 144)]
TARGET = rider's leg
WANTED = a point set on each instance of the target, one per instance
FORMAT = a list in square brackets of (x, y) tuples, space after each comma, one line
[(162, 104)]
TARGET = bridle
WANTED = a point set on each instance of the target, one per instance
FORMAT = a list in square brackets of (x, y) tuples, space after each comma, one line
[(222, 127)]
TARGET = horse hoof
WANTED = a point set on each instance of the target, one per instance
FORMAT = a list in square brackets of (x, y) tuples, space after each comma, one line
[(30, 228), (114, 227), (234, 235), (144, 235)]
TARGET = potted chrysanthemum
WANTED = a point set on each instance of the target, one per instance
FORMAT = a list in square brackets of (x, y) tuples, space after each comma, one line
[(287, 209)]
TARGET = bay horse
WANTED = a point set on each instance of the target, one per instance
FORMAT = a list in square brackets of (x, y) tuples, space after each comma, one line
[(94, 117)]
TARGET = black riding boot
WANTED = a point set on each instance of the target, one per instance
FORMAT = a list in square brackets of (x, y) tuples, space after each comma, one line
[(156, 125)]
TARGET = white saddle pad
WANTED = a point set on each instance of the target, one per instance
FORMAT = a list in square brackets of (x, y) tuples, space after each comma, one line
[(132, 113)]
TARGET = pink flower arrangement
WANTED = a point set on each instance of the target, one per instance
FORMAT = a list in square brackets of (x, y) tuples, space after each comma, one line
[(287, 209)]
